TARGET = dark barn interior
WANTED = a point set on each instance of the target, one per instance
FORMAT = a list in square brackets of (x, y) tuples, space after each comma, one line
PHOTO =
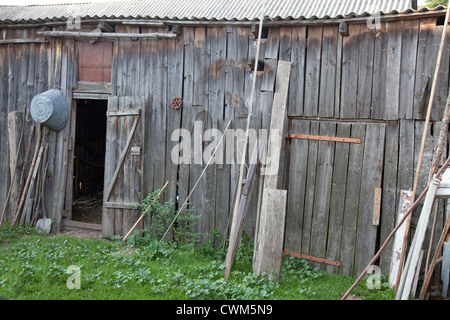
[(89, 160)]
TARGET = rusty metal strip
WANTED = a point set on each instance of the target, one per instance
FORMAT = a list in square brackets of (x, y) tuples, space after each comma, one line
[(304, 256), (323, 138)]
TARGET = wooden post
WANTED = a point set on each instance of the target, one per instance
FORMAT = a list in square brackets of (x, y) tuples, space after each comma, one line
[(271, 232), (268, 248)]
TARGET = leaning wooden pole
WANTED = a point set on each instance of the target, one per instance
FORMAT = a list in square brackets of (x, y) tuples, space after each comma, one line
[(424, 136)]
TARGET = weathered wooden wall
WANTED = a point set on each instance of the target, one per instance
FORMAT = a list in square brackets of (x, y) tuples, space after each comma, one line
[(26, 70), (370, 84)]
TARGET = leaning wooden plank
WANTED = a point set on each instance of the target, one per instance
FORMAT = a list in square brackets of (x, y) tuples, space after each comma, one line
[(313, 65), (271, 168), (270, 249)]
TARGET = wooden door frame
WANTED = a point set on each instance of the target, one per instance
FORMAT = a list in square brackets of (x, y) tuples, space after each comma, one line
[(67, 222)]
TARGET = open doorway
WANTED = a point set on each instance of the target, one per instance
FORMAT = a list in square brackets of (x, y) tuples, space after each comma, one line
[(89, 160)]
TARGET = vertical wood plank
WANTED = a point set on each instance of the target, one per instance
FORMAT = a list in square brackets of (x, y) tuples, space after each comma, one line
[(389, 196), (313, 65), (338, 191), (310, 189), (324, 175), (298, 55), (365, 72), (394, 55), (372, 171), (328, 72), (352, 196), (350, 63), (424, 71), (407, 72), (380, 72), (297, 187)]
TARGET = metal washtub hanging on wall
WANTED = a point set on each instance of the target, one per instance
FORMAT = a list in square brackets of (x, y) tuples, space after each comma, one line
[(50, 108)]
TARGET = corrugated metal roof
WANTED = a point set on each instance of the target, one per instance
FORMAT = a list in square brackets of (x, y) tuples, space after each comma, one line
[(230, 10)]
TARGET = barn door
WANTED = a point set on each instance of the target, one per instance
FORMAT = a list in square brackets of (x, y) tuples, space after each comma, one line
[(123, 164), (335, 178)]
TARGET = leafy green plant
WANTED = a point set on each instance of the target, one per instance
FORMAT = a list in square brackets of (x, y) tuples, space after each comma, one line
[(161, 217)]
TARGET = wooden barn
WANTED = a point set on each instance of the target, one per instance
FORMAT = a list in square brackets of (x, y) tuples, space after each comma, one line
[(133, 72)]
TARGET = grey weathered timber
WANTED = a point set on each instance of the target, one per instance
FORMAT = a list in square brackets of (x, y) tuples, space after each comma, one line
[(328, 72), (349, 83), (352, 196), (324, 175), (389, 196), (365, 72), (312, 72), (338, 191), (410, 36), (380, 73), (297, 187), (310, 189), (298, 56), (394, 56), (371, 177), (263, 259), (270, 252), (424, 71)]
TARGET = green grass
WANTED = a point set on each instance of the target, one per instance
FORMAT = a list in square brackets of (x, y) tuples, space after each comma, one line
[(34, 266)]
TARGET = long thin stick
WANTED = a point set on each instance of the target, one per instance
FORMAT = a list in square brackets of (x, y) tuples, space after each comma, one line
[(27, 183), (142, 215), (407, 214), (424, 136), (14, 173)]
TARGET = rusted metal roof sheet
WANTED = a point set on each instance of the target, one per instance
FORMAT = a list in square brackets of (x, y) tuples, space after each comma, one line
[(230, 10)]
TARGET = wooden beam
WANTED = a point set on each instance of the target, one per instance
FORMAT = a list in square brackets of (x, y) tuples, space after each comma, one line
[(18, 41), (120, 205), (323, 138), (112, 36), (305, 256)]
